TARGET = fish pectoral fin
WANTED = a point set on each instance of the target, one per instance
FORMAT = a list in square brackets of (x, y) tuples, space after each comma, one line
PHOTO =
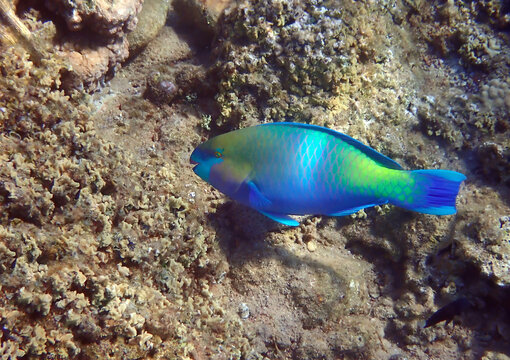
[(256, 198), (355, 209), (281, 218), (260, 201)]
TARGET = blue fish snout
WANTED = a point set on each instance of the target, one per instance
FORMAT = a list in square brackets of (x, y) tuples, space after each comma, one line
[(196, 157), (203, 163)]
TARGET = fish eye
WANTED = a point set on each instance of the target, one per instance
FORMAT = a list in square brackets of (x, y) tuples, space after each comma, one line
[(218, 153)]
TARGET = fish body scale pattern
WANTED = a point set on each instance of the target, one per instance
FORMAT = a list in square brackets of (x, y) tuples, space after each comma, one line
[(316, 170), (316, 165)]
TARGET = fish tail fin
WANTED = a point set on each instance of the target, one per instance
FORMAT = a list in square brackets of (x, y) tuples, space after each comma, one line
[(433, 192)]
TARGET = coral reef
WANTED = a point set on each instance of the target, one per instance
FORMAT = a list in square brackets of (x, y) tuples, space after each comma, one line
[(84, 224), (110, 246), (300, 61), (16, 31), (472, 112), (392, 87), (282, 60)]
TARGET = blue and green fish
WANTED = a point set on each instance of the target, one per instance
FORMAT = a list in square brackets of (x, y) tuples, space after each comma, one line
[(283, 169)]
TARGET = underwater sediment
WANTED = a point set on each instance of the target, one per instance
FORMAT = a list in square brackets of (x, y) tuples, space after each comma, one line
[(110, 246)]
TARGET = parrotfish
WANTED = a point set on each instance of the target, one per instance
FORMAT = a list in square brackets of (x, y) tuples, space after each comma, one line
[(282, 169)]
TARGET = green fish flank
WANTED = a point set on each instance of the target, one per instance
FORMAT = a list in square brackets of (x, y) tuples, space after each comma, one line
[(284, 169)]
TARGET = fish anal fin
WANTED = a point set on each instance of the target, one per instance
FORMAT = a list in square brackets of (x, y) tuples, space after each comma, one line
[(356, 209), (347, 212)]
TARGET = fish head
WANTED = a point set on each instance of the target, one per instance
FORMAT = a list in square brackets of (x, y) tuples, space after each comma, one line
[(219, 162), (206, 156)]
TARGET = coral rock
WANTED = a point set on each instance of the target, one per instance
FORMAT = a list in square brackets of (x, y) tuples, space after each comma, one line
[(150, 21), (103, 17), (91, 64)]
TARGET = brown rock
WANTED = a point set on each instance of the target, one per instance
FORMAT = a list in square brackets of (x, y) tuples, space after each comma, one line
[(100, 16)]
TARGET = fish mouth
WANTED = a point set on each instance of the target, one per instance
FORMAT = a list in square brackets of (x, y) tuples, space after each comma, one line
[(193, 158), (195, 164)]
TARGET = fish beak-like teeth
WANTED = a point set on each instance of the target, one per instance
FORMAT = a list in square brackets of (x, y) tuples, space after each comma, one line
[(191, 161)]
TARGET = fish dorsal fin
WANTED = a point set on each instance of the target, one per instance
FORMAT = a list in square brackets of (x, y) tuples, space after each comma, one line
[(367, 150)]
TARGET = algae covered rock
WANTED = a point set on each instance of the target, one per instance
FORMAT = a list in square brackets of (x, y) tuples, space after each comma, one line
[(288, 60), (82, 225), (472, 113), (150, 21), (181, 81), (201, 16), (100, 44), (94, 42), (103, 17)]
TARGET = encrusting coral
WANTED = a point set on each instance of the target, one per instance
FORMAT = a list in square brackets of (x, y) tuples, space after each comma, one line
[(376, 78), (82, 227), (282, 60), (95, 43)]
